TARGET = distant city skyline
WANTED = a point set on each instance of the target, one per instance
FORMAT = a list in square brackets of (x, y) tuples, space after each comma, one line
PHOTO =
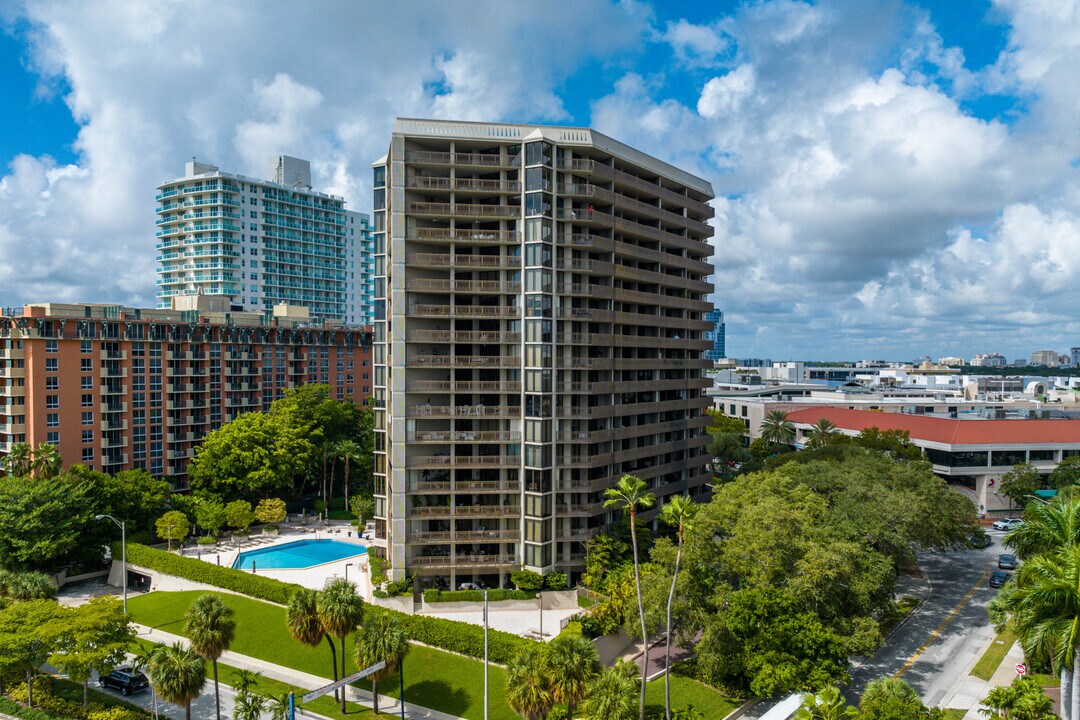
[(894, 178)]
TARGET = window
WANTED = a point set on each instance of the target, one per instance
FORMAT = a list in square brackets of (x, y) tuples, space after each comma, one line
[(52, 346), (87, 383), (52, 420), (88, 454), (52, 383), (87, 437), (87, 400), (88, 418), (52, 364), (86, 347), (53, 438), (52, 401), (86, 364)]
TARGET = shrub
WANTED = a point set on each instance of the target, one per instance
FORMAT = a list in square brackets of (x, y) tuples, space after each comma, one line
[(437, 596), (10, 707), (572, 629), (459, 637), (527, 580), (113, 713), (207, 540), (256, 586), (377, 566), (556, 580)]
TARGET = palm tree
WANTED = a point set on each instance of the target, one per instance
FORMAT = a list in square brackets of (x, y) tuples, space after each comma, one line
[(340, 611), (210, 627), (1046, 611), (611, 697), (630, 493), (278, 707), (349, 452), (177, 675), (302, 617), (46, 461), (777, 429), (19, 460), (1046, 527), (380, 637), (248, 706), (528, 684), (821, 433), (26, 585), (144, 657), (573, 663), (678, 511), (828, 704)]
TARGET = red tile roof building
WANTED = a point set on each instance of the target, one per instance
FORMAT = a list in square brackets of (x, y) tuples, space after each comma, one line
[(974, 453)]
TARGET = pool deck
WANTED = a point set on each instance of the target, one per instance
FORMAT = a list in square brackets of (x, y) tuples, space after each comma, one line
[(314, 577)]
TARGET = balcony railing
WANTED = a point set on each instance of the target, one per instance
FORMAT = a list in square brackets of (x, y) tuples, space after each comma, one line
[(464, 411), (465, 210), (465, 436), (464, 261), (463, 286), (422, 182), (480, 337), (428, 157), (465, 311), (461, 461), (482, 361), (430, 561), (465, 235)]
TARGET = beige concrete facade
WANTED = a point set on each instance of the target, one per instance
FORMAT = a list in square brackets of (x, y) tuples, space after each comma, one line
[(539, 302)]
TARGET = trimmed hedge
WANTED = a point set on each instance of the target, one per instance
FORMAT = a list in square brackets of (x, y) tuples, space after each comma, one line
[(452, 635), (256, 586), (437, 596), (459, 637)]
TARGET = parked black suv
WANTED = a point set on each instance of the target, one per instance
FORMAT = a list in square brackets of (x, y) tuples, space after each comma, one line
[(125, 679)]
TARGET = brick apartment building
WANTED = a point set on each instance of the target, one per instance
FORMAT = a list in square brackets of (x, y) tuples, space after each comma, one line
[(116, 388)]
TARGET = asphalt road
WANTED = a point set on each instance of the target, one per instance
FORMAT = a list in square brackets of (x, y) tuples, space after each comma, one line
[(936, 645)]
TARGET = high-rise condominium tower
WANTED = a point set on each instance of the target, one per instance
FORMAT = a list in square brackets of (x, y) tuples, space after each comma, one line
[(538, 333), (263, 242)]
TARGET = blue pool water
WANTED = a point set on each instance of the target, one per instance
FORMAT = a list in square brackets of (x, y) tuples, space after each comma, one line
[(300, 554)]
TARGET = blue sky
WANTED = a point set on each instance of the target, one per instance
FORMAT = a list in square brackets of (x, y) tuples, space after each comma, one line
[(893, 178)]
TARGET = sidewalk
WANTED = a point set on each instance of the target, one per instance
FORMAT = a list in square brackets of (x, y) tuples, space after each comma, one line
[(387, 705), (968, 693)]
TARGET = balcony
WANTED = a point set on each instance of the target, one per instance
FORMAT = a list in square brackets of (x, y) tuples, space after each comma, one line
[(481, 160), (466, 210), (13, 429), (113, 372), (464, 311), (485, 536), (591, 167), (463, 386), (180, 437), (472, 236), (458, 561), (114, 390), (114, 425), (118, 442), (114, 407), (463, 411), (114, 460), (179, 388), (113, 355), (479, 337), (585, 216), (12, 353), (464, 286), (12, 372), (439, 260), (422, 182), (468, 461), (464, 436), (464, 361)]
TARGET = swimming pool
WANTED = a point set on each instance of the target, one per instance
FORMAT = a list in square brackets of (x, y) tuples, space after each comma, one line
[(297, 555)]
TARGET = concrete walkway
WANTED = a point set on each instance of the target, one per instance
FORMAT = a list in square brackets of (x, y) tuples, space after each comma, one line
[(387, 705)]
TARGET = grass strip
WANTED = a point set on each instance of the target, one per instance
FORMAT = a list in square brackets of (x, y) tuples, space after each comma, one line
[(991, 659)]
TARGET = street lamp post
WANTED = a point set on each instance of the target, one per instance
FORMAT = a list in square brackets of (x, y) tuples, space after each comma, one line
[(347, 566), (123, 553)]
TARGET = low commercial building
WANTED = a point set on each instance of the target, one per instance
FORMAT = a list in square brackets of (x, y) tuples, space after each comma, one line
[(970, 452), (116, 388)]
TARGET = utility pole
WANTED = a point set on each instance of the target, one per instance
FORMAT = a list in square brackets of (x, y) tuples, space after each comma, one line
[(485, 655)]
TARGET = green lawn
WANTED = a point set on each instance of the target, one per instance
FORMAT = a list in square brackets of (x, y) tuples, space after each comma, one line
[(687, 691), (988, 663), (954, 714), (433, 678)]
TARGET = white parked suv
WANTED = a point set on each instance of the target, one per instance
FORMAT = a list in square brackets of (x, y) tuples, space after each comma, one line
[(1007, 523)]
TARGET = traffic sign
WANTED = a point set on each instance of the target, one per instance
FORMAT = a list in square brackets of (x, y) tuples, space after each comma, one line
[(1021, 669), (319, 692)]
